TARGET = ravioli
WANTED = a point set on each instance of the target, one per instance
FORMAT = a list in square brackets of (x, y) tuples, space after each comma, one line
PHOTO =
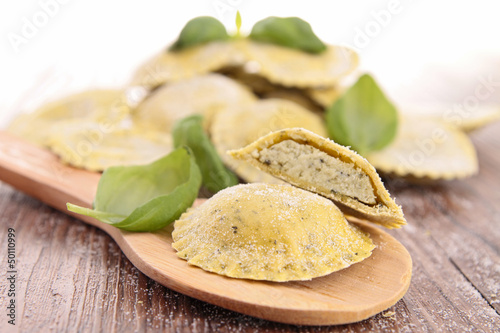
[(106, 105), (263, 88), (295, 68), (481, 117), (269, 232), (466, 120), (325, 96), (314, 163), (297, 96), (171, 66), (88, 145), (92, 130), (238, 126), (426, 148), (203, 94), (246, 76)]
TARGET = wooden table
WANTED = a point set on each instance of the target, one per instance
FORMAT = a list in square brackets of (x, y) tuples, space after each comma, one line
[(73, 277)]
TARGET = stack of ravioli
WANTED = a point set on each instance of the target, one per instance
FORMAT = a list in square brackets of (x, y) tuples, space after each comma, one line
[(289, 222), (245, 89)]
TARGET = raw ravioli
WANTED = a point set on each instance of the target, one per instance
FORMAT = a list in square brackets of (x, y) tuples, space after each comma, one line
[(104, 106), (86, 145), (269, 232), (463, 118), (322, 166), (238, 126), (263, 88), (427, 148), (325, 96), (170, 66), (203, 94), (295, 68)]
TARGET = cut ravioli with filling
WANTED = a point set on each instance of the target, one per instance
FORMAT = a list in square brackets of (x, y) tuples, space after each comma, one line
[(269, 232), (240, 125), (320, 165)]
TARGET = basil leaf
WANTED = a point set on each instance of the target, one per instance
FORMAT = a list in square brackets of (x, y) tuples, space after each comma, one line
[(146, 197), (200, 30), (189, 132), (363, 117), (291, 32)]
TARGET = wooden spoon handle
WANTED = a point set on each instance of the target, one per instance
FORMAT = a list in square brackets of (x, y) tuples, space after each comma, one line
[(39, 173)]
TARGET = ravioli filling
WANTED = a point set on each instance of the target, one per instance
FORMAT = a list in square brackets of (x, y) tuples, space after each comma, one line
[(311, 166)]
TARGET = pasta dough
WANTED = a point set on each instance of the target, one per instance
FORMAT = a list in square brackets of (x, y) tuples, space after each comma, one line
[(269, 232), (314, 163)]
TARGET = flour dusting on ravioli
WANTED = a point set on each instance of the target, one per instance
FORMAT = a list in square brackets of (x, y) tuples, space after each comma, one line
[(269, 232), (322, 166)]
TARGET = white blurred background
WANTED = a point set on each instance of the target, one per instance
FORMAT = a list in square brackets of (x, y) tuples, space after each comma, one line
[(422, 52)]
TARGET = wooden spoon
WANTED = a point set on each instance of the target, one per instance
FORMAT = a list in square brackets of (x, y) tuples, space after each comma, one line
[(347, 296)]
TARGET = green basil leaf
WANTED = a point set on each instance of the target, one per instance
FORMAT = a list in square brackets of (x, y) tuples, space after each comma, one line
[(200, 30), (363, 117), (189, 132), (291, 32), (146, 197)]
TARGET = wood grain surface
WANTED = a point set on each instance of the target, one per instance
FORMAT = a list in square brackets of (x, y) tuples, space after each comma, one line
[(73, 277)]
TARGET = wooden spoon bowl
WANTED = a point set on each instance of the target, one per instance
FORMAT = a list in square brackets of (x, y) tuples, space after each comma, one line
[(346, 296)]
